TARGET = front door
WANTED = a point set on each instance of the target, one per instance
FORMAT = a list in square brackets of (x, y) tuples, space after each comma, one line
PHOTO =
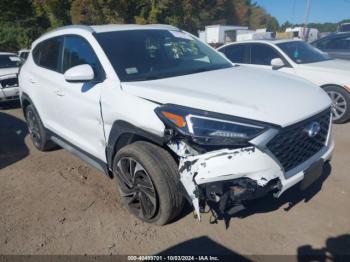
[(79, 107), (261, 56)]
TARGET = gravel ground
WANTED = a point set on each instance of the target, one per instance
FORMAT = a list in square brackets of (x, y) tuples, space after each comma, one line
[(53, 203)]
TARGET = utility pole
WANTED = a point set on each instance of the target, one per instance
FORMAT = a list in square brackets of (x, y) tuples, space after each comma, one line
[(308, 7)]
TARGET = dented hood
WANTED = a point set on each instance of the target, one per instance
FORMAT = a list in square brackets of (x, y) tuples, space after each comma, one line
[(256, 94)]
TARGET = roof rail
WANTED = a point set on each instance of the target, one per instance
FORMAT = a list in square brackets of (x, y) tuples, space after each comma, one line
[(162, 26), (85, 27)]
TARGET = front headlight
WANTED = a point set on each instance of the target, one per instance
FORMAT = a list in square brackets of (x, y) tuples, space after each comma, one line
[(209, 128)]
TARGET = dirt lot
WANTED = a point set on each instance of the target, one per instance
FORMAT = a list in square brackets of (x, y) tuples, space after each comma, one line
[(53, 203)]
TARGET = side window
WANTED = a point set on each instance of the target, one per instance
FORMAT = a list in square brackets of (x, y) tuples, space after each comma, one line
[(321, 43), (236, 53), (262, 54), (47, 53), (340, 43), (77, 51)]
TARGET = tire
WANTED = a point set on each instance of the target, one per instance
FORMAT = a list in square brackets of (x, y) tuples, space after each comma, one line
[(340, 103), (37, 131), (155, 185)]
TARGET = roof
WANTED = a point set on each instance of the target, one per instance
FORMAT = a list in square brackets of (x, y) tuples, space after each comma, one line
[(102, 29), (7, 53), (271, 41), (109, 28), (115, 27)]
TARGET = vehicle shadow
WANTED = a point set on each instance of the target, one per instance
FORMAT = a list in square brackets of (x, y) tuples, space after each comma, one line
[(12, 134), (202, 246), (10, 105), (336, 249)]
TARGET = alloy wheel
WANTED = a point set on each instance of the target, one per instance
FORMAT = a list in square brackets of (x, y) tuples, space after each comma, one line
[(339, 105), (137, 188), (33, 126)]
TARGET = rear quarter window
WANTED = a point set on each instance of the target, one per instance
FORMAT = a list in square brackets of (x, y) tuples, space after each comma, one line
[(47, 54)]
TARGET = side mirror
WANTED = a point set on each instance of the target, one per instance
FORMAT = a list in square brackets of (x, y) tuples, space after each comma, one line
[(80, 73), (277, 63)]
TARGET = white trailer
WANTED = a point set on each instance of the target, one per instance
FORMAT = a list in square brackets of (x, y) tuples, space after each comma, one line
[(259, 34), (222, 34), (309, 35)]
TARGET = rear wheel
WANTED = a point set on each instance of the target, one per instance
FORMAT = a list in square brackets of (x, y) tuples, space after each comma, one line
[(37, 131), (340, 103), (148, 182)]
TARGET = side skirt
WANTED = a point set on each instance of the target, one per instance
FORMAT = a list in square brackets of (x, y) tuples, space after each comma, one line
[(83, 155)]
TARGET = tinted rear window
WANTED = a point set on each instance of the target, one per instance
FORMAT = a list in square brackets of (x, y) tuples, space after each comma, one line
[(47, 53), (236, 53)]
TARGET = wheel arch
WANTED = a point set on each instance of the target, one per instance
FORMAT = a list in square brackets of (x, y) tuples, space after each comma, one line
[(337, 85), (25, 102), (123, 134)]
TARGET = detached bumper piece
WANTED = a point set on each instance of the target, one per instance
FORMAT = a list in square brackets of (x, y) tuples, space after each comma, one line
[(226, 198)]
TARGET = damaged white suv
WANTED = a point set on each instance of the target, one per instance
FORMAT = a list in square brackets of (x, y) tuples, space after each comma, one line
[(172, 119), (9, 66)]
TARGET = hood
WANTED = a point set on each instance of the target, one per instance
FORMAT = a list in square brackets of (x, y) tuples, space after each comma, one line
[(337, 66), (8, 71), (256, 94)]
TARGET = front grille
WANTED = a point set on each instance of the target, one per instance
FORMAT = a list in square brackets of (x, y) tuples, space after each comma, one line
[(9, 82), (293, 145)]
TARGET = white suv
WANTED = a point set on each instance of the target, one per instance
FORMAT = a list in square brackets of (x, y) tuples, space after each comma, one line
[(170, 118)]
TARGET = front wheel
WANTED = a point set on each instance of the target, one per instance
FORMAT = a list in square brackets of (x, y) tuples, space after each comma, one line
[(340, 103), (148, 182)]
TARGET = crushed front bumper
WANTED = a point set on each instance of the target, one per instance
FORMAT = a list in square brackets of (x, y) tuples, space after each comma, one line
[(224, 178)]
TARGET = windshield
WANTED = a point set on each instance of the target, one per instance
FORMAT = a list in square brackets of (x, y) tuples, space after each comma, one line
[(303, 53), (7, 61), (139, 55)]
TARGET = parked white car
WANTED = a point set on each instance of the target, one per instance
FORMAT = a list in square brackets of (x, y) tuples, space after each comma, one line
[(301, 59), (9, 65), (171, 122)]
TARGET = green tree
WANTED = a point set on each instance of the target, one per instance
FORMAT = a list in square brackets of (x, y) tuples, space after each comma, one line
[(19, 25), (56, 12)]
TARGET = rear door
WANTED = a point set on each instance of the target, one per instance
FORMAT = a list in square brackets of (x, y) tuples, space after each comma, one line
[(79, 103), (44, 79)]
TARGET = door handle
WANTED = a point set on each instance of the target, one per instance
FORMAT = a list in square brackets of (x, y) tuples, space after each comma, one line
[(31, 80), (59, 92)]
